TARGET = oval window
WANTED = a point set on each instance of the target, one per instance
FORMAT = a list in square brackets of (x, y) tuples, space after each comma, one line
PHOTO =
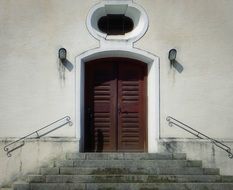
[(115, 24)]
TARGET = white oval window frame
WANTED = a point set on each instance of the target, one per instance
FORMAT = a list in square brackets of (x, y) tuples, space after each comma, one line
[(127, 8)]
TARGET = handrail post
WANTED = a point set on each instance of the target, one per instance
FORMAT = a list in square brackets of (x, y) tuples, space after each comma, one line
[(37, 134)]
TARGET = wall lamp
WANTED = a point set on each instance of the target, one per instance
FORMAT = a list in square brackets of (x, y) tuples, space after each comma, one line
[(65, 62), (173, 63), (172, 55), (62, 54)]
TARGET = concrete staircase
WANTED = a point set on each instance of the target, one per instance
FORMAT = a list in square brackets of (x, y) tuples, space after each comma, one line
[(126, 171)]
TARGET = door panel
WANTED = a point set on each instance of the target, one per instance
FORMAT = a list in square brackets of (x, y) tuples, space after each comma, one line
[(131, 101), (100, 105), (115, 105)]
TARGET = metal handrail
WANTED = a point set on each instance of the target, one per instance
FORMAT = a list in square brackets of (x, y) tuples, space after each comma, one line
[(9, 150), (172, 121)]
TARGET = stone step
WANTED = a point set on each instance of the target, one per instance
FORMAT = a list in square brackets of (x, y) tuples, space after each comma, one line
[(211, 171), (227, 178), (123, 178), (124, 186), (128, 163), (125, 156), (129, 170)]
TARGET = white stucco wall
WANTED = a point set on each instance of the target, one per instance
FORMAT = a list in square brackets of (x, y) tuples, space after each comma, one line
[(201, 31), (35, 90), (34, 93)]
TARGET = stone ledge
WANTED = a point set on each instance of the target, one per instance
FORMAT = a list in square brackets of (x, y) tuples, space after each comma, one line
[(44, 139), (192, 140)]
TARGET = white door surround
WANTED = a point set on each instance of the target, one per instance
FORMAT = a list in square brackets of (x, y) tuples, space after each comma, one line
[(152, 89)]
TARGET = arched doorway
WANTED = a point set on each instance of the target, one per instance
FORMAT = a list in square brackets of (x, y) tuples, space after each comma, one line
[(153, 113), (115, 105)]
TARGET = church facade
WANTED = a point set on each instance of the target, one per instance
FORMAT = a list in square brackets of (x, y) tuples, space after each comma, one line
[(123, 72)]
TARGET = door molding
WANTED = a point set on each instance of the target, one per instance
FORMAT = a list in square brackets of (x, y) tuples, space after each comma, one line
[(153, 89)]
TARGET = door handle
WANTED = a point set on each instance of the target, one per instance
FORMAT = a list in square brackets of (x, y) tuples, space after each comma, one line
[(89, 112), (90, 117), (120, 111)]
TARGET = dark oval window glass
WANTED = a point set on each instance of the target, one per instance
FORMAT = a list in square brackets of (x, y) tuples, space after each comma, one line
[(113, 24)]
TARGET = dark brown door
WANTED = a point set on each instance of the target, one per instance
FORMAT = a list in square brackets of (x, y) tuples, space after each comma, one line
[(115, 105)]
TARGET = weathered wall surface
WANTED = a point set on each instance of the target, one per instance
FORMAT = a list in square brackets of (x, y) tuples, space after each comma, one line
[(211, 156), (37, 153), (34, 154)]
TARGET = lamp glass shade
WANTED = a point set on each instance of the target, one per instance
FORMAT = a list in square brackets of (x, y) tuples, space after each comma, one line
[(172, 54), (62, 53)]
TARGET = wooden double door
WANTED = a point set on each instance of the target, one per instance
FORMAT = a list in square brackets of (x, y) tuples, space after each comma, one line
[(115, 105)]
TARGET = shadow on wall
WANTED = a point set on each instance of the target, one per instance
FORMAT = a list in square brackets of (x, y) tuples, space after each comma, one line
[(177, 66), (62, 66), (68, 65)]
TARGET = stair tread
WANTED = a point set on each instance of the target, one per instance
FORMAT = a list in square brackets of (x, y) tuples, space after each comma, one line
[(134, 183), (123, 178), (125, 156), (131, 186), (126, 175), (127, 163), (136, 170), (171, 177)]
